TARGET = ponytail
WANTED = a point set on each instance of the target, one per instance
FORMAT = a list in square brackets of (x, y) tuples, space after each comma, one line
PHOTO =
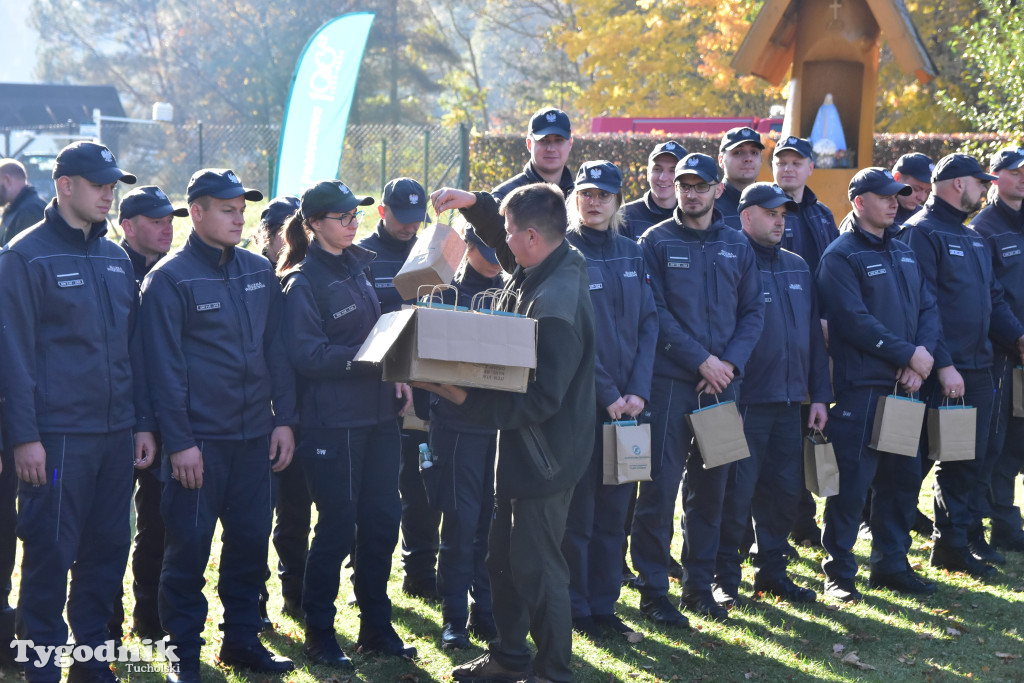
[(296, 243)]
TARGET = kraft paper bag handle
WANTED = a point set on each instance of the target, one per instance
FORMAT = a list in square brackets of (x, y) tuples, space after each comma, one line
[(499, 299), (945, 403), (699, 406), (814, 433), (623, 423), (896, 392)]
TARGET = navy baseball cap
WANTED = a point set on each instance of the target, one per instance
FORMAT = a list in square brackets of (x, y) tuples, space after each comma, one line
[(603, 175), (915, 165), (550, 121), (279, 210), (407, 200), (485, 251), (219, 183), (879, 181), (735, 137), (149, 201), (1007, 158), (330, 196), (959, 165), (92, 161), (700, 165), (671, 147), (798, 145), (765, 195)]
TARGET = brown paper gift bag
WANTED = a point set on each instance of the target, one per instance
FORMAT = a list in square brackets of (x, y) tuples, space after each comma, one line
[(1018, 391), (951, 432), (718, 431), (821, 472), (897, 427), (627, 452)]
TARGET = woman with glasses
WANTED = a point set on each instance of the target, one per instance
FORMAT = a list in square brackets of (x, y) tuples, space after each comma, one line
[(348, 417), (627, 325)]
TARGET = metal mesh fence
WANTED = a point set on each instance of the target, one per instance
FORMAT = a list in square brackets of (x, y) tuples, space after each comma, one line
[(167, 154)]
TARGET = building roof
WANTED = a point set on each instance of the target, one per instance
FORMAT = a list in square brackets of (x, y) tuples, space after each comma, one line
[(31, 105), (768, 48)]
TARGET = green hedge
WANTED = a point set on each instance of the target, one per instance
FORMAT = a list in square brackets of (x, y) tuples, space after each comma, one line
[(495, 158)]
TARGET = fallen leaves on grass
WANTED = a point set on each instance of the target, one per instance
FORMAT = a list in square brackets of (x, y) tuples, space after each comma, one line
[(853, 660), (1006, 657), (952, 632)]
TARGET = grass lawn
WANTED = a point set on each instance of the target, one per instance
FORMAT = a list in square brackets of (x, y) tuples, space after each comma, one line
[(968, 630)]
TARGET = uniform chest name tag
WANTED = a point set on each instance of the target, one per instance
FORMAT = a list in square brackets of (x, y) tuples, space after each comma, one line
[(1010, 250), (956, 250), (596, 285), (767, 297), (208, 307), (382, 283), (344, 311), (876, 269), (72, 282)]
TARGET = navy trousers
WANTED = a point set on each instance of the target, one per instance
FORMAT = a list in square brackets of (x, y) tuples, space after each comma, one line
[(765, 486), (1005, 452), (353, 480), (654, 513), (894, 481), (420, 522), (77, 522), (961, 486), (237, 490), (8, 542), (460, 485), (594, 534), (291, 529)]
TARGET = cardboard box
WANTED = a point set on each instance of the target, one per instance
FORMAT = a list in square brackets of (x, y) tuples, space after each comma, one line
[(433, 260), (465, 348)]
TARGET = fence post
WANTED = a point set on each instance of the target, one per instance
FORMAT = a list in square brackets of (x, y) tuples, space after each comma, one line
[(383, 162), (199, 128), (426, 160), (463, 156)]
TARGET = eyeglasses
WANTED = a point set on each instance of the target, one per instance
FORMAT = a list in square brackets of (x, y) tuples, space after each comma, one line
[(599, 195), (346, 219), (699, 188)]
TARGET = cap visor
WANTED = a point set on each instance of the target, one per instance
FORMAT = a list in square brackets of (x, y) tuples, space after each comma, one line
[(783, 148), (985, 177), (489, 254), (180, 212), (692, 171), (410, 215), (551, 130), (230, 193), (598, 186), (737, 143), (109, 175)]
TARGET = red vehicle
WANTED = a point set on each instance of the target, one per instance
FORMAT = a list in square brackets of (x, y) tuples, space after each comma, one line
[(681, 125)]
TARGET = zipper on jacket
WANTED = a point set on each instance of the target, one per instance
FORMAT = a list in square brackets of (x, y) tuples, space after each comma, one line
[(707, 295), (245, 356), (100, 286), (792, 316)]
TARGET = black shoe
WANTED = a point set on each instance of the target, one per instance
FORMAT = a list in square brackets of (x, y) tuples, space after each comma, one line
[(80, 674), (703, 603), (585, 626), (144, 629), (385, 642), (321, 647), (789, 552), (185, 671), (481, 625), (424, 590), (660, 610), (486, 668), (628, 579), (906, 581), (454, 637), (807, 538), (726, 597), (983, 552), (612, 623), (842, 590), (293, 610), (923, 526), (1013, 542), (784, 589), (675, 570), (7, 655), (254, 657), (959, 559)]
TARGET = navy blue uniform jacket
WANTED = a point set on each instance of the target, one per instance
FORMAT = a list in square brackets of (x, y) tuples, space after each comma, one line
[(728, 204), (957, 265), (390, 257), (707, 290), (789, 363), (330, 309), (878, 305), (213, 334), (529, 176), (70, 340), (640, 214), (1003, 229), (625, 319), (810, 230)]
